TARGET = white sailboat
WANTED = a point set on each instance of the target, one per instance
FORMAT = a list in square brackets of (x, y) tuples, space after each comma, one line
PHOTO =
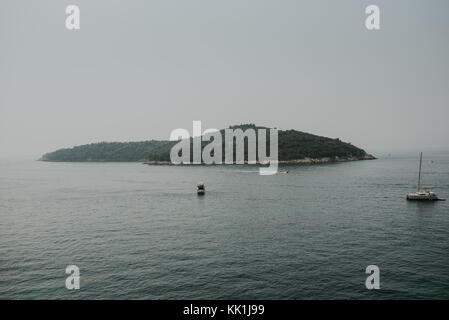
[(423, 193)]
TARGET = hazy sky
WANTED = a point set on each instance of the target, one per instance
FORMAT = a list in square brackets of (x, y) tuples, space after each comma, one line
[(138, 69)]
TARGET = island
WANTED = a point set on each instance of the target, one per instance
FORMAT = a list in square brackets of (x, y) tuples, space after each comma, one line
[(294, 147)]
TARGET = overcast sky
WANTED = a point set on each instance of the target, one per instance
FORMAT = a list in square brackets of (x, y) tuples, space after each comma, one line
[(136, 70)]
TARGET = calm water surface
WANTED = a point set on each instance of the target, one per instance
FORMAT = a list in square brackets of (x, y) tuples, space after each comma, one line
[(141, 232)]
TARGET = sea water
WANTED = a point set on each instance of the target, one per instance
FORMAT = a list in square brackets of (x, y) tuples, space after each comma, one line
[(141, 232)]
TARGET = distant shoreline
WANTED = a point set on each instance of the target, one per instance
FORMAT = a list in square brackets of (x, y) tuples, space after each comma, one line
[(306, 160)]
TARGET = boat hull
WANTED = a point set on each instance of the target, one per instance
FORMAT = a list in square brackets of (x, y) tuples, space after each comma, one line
[(417, 197)]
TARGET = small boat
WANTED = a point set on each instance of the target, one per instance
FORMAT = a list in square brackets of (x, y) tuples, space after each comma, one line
[(283, 171), (423, 193), (200, 189)]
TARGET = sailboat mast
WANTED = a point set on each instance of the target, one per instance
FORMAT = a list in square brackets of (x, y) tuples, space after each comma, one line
[(419, 175)]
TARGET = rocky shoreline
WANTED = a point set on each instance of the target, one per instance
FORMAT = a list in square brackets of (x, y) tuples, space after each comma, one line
[(296, 161)]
